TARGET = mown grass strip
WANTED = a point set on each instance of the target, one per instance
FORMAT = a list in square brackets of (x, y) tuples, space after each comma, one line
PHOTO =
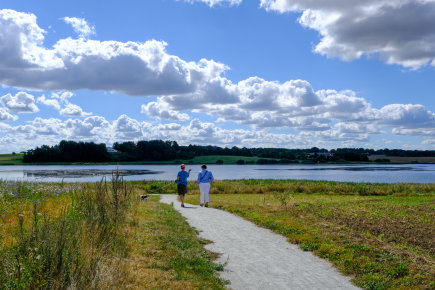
[(165, 252)]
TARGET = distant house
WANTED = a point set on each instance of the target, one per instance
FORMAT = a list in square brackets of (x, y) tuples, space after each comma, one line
[(318, 154), (111, 150)]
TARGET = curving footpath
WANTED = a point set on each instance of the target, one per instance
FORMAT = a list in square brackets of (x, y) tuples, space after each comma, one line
[(257, 258)]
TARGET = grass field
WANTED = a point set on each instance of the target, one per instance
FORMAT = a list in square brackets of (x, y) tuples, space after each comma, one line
[(11, 159), (382, 235), (398, 159), (97, 236), (101, 236)]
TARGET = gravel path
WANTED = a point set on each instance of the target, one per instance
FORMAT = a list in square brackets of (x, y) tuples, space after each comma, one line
[(257, 258)]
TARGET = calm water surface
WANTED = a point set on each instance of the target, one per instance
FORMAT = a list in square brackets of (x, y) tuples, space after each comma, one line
[(420, 173)]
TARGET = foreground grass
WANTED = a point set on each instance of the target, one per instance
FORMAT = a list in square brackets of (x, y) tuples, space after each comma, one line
[(165, 252), (382, 235), (81, 236), (59, 238)]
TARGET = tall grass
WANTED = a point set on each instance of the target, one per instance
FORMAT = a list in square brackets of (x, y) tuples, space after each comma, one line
[(68, 249), (250, 186)]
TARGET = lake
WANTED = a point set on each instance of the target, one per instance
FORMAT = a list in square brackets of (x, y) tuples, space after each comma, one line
[(383, 173)]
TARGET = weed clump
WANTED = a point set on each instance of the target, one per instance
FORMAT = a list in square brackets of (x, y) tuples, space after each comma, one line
[(68, 248)]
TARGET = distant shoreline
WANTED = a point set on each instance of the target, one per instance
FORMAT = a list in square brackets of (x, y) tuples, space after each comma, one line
[(16, 159)]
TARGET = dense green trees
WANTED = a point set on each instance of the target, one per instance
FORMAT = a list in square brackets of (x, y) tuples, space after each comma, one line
[(158, 150), (68, 151)]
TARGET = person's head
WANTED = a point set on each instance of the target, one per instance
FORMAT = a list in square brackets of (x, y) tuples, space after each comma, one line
[(204, 166), (183, 166)]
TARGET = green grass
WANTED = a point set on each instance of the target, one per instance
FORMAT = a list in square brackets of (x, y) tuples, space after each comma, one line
[(11, 159), (97, 235), (382, 235), (167, 251)]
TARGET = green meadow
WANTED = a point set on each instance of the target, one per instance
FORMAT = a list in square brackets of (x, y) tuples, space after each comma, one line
[(97, 236), (382, 235), (11, 159), (100, 235)]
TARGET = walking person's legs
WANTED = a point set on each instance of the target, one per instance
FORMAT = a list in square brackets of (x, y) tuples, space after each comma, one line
[(206, 192), (203, 190), (201, 195), (182, 189), (182, 200)]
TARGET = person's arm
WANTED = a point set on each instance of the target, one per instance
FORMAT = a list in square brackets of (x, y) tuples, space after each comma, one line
[(188, 172), (211, 178), (178, 177), (198, 179)]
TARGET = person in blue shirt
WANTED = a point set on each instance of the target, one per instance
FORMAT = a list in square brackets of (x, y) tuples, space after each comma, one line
[(182, 182), (205, 178)]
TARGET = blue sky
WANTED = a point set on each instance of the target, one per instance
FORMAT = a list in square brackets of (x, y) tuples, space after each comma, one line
[(263, 73)]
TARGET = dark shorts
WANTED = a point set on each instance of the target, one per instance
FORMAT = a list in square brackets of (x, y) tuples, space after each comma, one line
[(182, 189)]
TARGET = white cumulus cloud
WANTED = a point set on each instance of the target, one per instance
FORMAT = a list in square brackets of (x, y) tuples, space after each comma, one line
[(132, 68), (126, 128), (212, 3), (22, 102), (49, 102), (80, 26), (161, 110), (6, 116), (399, 31), (72, 110)]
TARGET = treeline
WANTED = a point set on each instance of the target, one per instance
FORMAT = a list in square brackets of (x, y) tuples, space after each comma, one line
[(68, 151), (158, 150)]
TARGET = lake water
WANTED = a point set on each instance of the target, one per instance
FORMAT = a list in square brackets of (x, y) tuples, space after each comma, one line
[(383, 173)]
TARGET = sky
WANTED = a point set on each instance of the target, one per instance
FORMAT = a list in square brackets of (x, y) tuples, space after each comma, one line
[(257, 73)]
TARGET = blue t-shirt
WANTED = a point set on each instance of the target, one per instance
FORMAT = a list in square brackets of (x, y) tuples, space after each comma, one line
[(183, 177), (205, 176)]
